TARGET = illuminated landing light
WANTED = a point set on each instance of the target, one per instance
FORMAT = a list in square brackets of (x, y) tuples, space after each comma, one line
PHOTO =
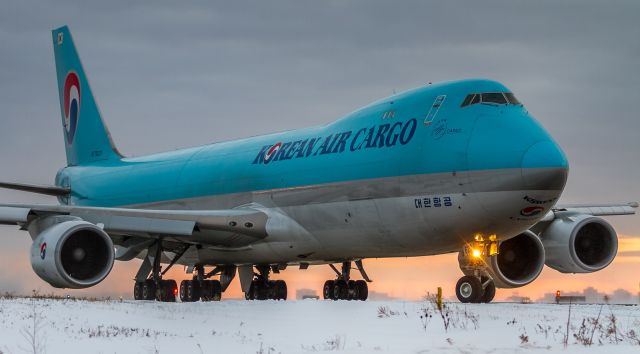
[(476, 253)]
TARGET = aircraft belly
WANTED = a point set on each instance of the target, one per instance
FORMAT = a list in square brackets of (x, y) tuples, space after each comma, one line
[(402, 216)]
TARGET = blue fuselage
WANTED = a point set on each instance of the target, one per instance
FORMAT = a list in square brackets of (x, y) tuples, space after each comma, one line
[(418, 132)]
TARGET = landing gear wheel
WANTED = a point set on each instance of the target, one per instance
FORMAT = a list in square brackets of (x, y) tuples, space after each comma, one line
[(352, 290), (363, 290), (137, 290), (340, 290), (168, 290), (489, 292), (280, 290), (193, 290), (206, 290), (327, 289), (183, 291), (469, 289), (148, 290), (210, 290), (216, 290)]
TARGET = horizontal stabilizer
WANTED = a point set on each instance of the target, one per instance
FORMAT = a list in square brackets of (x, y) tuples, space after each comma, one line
[(37, 188)]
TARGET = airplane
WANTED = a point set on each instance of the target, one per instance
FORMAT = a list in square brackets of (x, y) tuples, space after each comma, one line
[(458, 166)]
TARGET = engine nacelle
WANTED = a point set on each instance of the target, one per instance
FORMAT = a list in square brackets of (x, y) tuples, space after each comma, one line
[(72, 254), (520, 261), (579, 243)]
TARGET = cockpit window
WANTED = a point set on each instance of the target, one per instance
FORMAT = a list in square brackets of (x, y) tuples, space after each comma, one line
[(511, 98), (490, 98), (493, 97), (467, 100)]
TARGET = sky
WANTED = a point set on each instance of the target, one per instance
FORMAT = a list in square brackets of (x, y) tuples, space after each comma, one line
[(168, 75)]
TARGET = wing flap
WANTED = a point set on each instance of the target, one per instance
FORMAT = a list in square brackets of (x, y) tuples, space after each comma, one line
[(247, 222), (13, 215)]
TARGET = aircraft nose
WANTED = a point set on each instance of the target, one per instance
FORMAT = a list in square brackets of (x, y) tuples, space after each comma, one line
[(544, 166)]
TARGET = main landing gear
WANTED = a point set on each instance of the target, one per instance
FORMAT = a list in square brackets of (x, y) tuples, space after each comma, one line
[(264, 289), (153, 286), (343, 288), (149, 284), (200, 288), (476, 286)]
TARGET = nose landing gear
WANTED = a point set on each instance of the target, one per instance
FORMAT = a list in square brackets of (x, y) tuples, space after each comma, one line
[(472, 289), (476, 286)]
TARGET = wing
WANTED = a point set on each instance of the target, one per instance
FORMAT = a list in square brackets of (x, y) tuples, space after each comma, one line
[(600, 209), (225, 228), (587, 209)]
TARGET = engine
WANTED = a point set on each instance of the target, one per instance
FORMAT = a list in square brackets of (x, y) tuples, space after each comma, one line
[(578, 243), (72, 254), (519, 261)]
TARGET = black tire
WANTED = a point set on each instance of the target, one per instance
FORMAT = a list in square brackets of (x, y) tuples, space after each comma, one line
[(216, 290), (280, 290), (261, 290), (340, 290), (327, 290), (352, 290), (149, 290), (193, 290), (469, 289), (168, 291), (489, 293), (363, 290), (183, 291), (206, 290), (137, 290)]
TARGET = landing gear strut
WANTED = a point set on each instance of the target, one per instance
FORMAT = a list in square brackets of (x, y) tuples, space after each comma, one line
[(264, 289), (476, 286), (153, 286), (343, 288)]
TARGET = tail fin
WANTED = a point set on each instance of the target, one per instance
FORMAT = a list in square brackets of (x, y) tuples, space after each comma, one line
[(87, 139)]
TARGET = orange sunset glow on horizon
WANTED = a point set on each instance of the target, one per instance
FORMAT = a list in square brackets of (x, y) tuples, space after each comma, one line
[(400, 278)]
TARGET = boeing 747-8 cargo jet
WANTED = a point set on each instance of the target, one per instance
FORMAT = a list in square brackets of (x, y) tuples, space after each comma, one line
[(457, 166)]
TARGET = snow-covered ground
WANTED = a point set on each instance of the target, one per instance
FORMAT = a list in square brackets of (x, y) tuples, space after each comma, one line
[(235, 326)]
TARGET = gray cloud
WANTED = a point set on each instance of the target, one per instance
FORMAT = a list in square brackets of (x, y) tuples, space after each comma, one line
[(171, 75)]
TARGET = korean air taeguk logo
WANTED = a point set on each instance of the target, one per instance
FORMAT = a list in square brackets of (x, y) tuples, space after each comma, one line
[(71, 105)]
